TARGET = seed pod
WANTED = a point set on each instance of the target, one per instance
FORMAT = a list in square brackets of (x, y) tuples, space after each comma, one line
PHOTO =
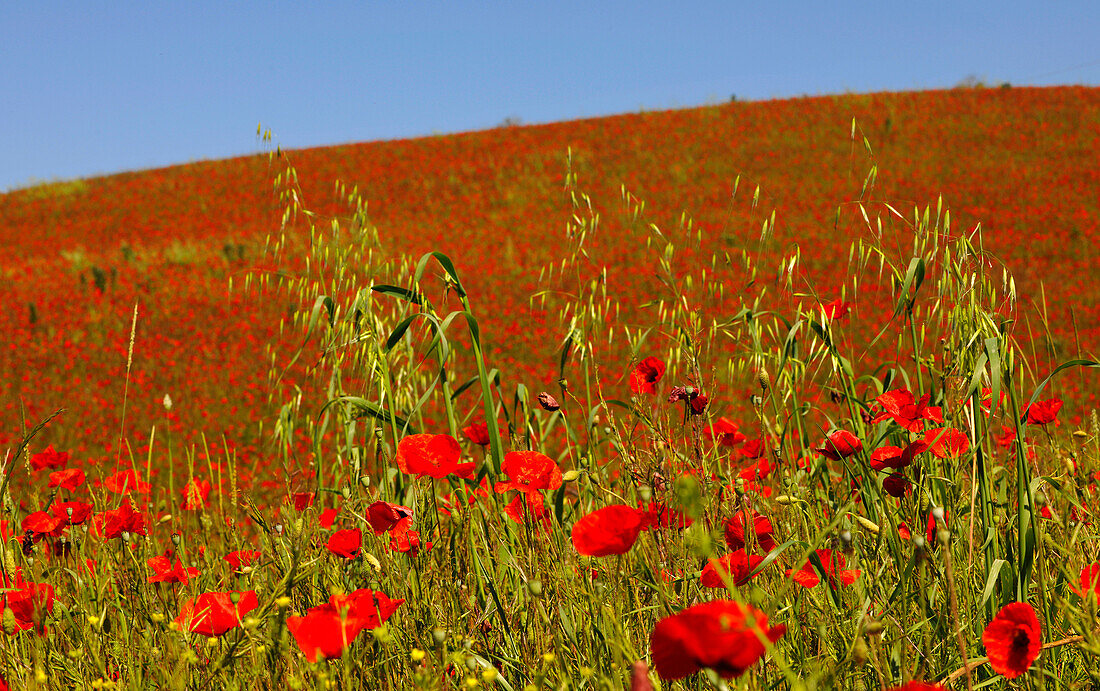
[(763, 379)]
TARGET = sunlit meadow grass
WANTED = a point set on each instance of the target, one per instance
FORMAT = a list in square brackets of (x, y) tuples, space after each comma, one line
[(752, 411)]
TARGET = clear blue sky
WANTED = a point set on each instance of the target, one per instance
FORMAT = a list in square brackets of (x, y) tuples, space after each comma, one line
[(88, 88)]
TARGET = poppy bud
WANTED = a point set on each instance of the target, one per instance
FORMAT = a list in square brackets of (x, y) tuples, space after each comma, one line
[(860, 653), (439, 636), (9, 621), (873, 628), (548, 402), (535, 588), (763, 379)]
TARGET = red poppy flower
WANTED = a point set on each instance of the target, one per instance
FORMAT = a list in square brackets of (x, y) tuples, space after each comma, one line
[(42, 524), (611, 530), (478, 433), (166, 572), (725, 433), (328, 630), (242, 558), (753, 448), (29, 602), (833, 564), (695, 399), (840, 444), (895, 457), (895, 484), (213, 614), (1006, 438), (80, 511), (946, 442), (529, 471), (383, 516), (406, 540), (918, 686), (1043, 412), (70, 478), (761, 526), (125, 481), (738, 567), (195, 494), (837, 309), (1013, 639), (900, 406), (646, 374), (657, 515), (328, 517), (987, 400), (528, 507), (49, 459), (432, 455), (346, 543), (124, 519), (1090, 581), (302, 500), (721, 635)]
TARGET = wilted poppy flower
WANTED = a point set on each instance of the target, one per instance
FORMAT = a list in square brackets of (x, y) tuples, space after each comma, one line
[(529, 471), (242, 558), (895, 484), (195, 494), (900, 406), (646, 374), (696, 401), (165, 572), (737, 565), (346, 543), (946, 442), (722, 635), (1090, 581), (1013, 639), (212, 614), (1043, 412), (70, 478), (478, 433), (49, 459), (328, 630), (611, 530), (383, 516), (840, 444), (432, 455), (761, 526), (832, 562), (724, 432), (548, 402), (125, 481)]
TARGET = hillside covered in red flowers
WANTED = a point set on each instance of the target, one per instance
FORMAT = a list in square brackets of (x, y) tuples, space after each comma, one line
[(76, 258)]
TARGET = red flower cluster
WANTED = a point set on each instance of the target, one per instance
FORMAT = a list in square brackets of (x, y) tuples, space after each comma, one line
[(328, 630)]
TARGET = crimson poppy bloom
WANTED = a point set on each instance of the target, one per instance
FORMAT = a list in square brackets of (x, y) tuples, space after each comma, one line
[(125, 481), (384, 516), (754, 448), (213, 614), (1043, 412), (761, 526), (840, 444), (722, 635), (646, 374), (328, 517), (737, 566), (242, 558), (725, 432), (895, 484), (658, 515), (832, 562), (70, 478), (946, 442), (164, 571), (195, 494), (406, 540), (895, 457), (1090, 581), (302, 500), (113, 523), (528, 507), (328, 630), (28, 602), (478, 433), (1013, 639), (900, 406), (837, 309), (49, 459), (80, 511), (346, 543), (529, 471), (432, 455), (611, 530)]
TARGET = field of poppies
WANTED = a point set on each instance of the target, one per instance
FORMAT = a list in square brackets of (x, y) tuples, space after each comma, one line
[(792, 394)]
